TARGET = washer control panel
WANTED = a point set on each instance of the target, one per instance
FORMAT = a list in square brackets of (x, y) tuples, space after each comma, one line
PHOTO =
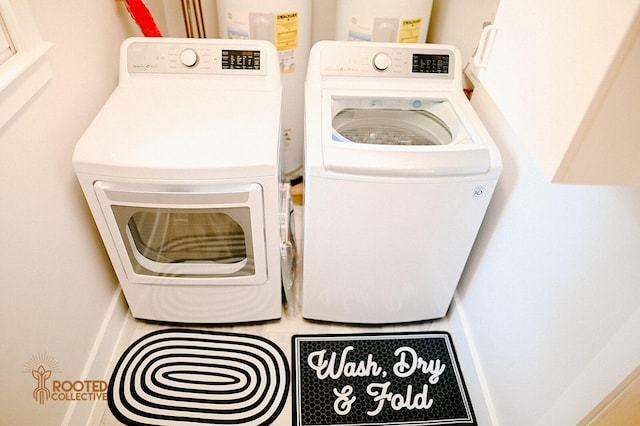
[(195, 58), (397, 61)]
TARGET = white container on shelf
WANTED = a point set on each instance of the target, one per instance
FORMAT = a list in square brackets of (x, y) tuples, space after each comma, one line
[(404, 21)]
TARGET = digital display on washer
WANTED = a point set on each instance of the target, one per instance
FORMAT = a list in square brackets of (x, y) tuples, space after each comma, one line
[(430, 64), (240, 59)]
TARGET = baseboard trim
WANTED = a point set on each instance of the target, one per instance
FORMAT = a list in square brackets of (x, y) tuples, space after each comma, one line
[(468, 354), (100, 356)]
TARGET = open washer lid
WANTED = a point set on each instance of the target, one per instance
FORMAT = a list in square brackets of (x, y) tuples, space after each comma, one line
[(399, 136)]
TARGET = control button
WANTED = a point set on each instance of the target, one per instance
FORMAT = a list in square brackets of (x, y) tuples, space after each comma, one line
[(381, 61), (189, 57)]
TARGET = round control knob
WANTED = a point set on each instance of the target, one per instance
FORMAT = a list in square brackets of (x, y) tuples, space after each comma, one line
[(381, 61), (188, 57)]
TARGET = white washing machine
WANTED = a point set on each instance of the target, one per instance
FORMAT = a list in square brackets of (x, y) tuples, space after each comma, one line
[(399, 172), (180, 169)]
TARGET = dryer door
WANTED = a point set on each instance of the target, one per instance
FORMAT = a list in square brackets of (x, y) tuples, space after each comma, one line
[(204, 234)]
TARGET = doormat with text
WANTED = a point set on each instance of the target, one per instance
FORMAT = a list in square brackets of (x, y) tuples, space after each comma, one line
[(378, 379), (183, 376)]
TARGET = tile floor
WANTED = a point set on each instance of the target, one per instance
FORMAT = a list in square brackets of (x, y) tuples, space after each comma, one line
[(279, 332)]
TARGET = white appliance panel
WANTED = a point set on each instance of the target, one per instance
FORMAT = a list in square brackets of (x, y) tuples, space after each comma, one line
[(204, 139), (388, 251), (180, 169)]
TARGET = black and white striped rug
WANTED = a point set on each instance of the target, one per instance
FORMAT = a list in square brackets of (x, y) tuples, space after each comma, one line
[(183, 376)]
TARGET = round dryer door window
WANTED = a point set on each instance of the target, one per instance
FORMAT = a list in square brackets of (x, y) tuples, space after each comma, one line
[(391, 127)]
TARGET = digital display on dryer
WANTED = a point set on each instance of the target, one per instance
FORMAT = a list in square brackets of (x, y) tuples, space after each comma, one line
[(430, 64), (240, 59)]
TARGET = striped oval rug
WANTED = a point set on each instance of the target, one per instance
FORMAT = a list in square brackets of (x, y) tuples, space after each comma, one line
[(179, 376)]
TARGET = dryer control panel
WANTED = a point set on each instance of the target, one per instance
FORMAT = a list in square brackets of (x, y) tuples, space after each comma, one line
[(196, 57), (391, 60)]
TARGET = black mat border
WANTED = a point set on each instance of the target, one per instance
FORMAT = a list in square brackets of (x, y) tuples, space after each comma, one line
[(463, 386)]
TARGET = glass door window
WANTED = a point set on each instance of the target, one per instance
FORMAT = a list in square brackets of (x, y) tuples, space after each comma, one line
[(187, 241), (188, 234)]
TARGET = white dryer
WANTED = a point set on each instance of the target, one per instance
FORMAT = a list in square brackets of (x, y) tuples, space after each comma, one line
[(399, 172), (180, 169)]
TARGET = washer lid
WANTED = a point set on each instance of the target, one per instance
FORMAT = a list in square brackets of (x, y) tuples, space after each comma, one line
[(400, 136)]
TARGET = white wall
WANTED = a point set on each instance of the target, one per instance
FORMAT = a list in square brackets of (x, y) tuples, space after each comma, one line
[(460, 23), (56, 284), (551, 292)]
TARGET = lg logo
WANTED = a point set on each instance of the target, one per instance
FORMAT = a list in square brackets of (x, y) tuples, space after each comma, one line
[(478, 191)]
